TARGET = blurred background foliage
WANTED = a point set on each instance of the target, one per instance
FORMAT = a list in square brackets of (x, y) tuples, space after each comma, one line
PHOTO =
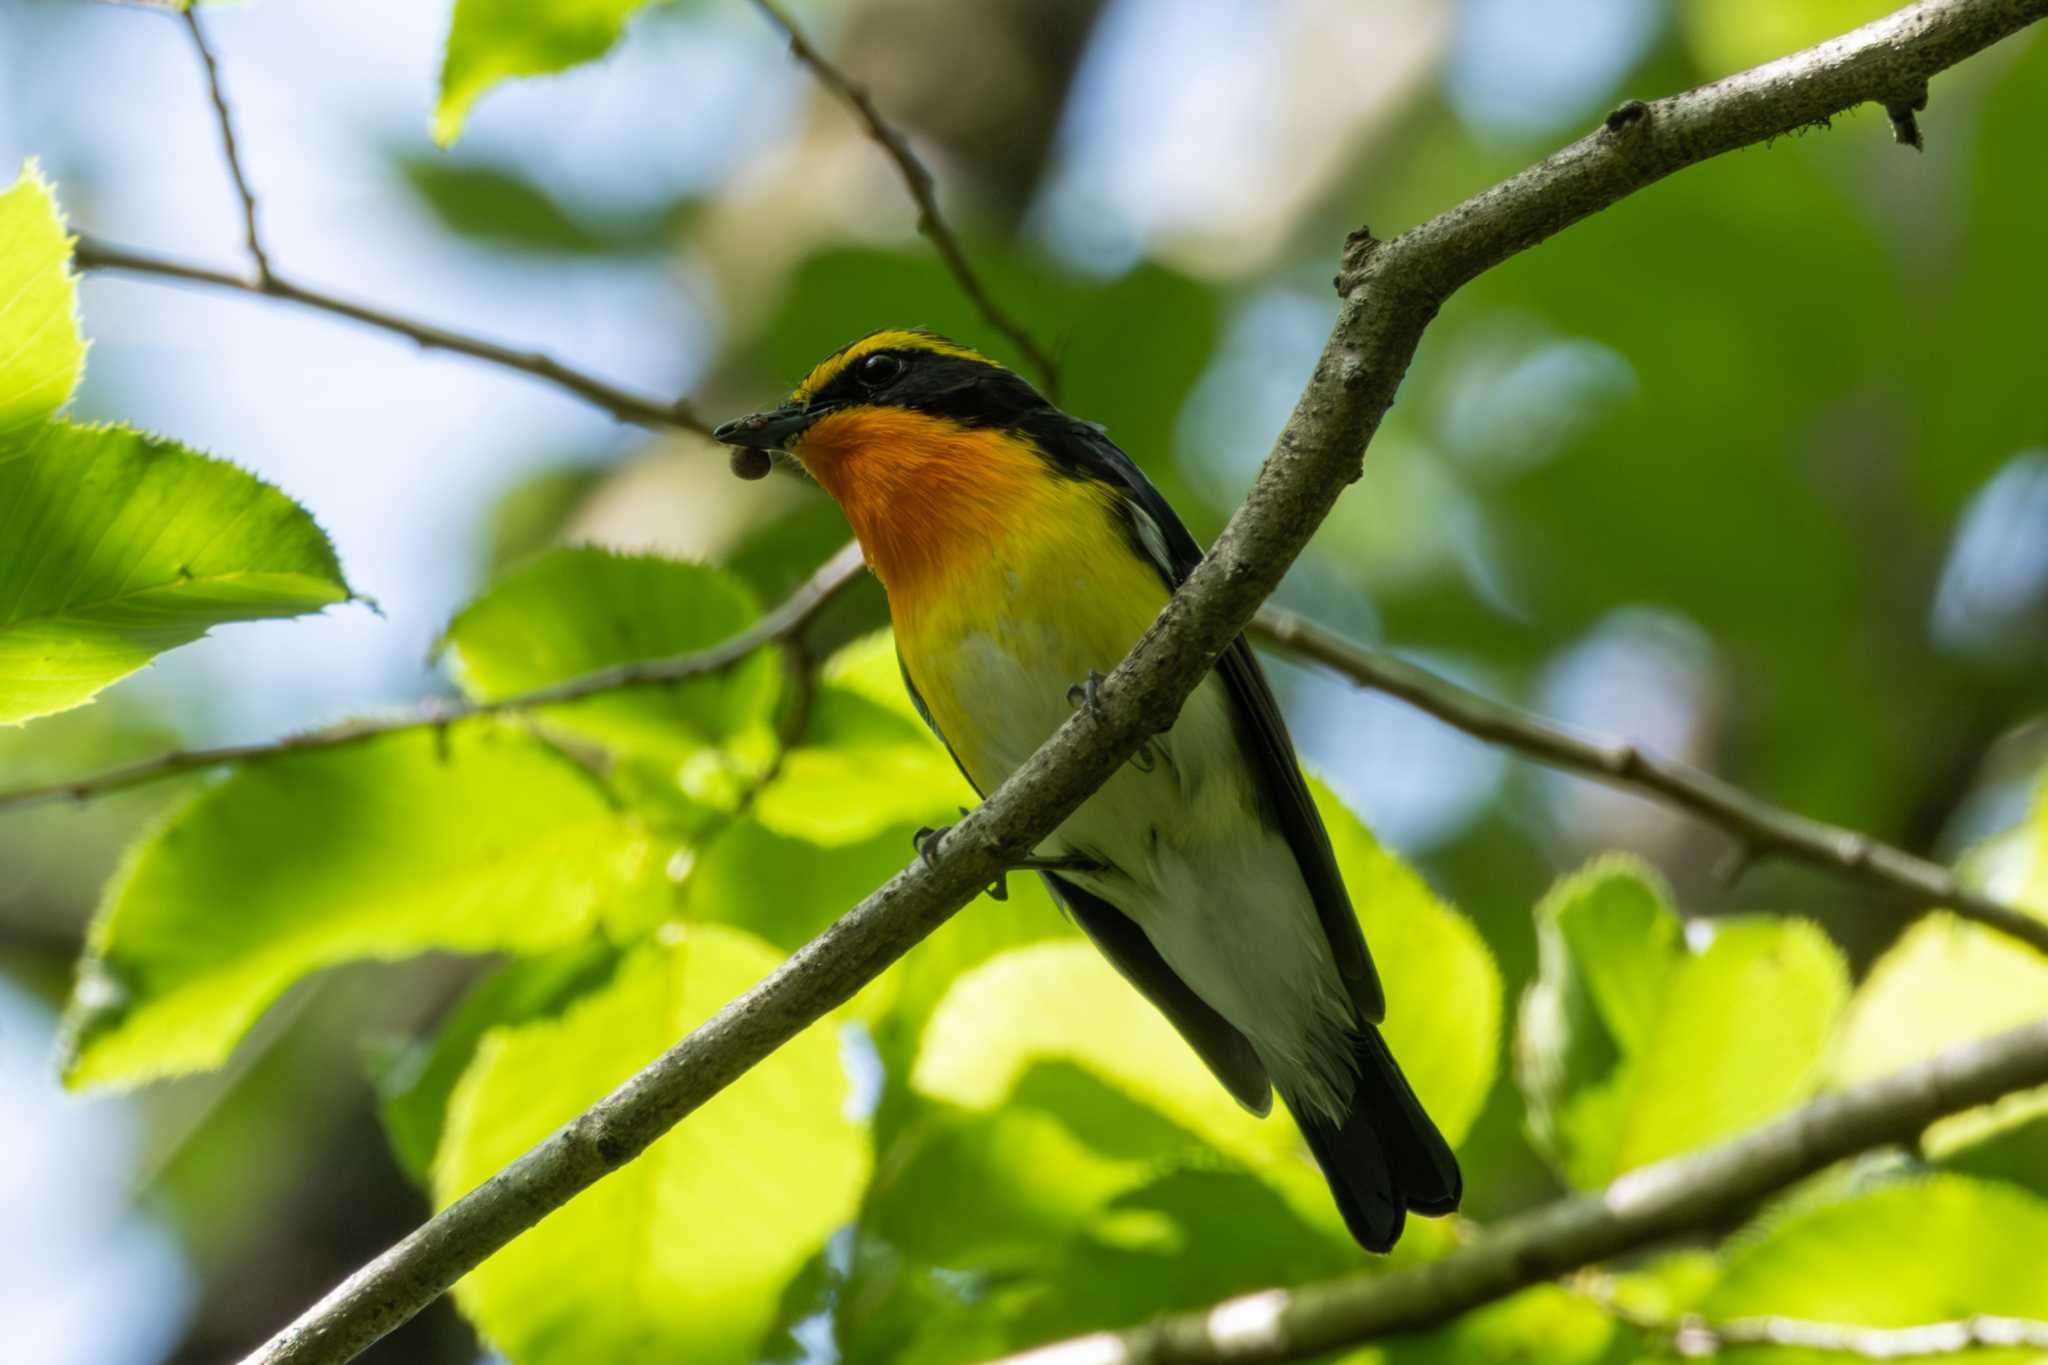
[(1752, 469)]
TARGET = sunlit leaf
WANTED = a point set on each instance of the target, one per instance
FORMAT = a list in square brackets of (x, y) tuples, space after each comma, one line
[(414, 1086), (683, 1254), (503, 206), (1915, 1252), (575, 611), (1730, 35), (494, 40), (1948, 981), (865, 762), (1546, 1325), (381, 849), (1632, 1048), (116, 546), (41, 352)]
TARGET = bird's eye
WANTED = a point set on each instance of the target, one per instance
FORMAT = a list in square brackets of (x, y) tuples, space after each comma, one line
[(878, 370)]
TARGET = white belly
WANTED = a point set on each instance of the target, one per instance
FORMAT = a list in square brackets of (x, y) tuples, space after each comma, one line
[(1188, 858)]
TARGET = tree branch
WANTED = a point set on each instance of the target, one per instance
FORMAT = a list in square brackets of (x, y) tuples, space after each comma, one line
[(254, 240), (780, 626), (91, 254), (1695, 1338), (1645, 1206), (1391, 291), (917, 178), (1759, 826)]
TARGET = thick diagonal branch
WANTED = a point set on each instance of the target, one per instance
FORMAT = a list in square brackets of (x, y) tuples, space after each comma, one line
[(1391, 292)]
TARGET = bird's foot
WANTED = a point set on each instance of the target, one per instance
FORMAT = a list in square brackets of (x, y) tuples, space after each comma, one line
[(926, 841), (1088, 693)]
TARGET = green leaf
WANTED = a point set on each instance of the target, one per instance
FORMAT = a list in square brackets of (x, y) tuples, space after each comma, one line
[(381, 849), (683, 1254), (116, 546), (866, 762), (1546, 1325), (42, 354), (1947, 981), (1633, 1049), (501, 205), (1443, 990), (1063, 1003), (494, 40), (413, 1088), (1920, 1251), (575, 611)]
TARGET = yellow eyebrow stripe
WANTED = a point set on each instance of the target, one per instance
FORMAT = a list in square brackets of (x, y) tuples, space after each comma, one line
[(892, 339)]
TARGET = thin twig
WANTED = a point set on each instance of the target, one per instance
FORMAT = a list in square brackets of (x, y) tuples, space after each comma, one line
[(782, 624), (1697, 1339), (1645, 1206), (226, 120), (1759, 827), (627, 407), (1694, 1336), (917, 178)]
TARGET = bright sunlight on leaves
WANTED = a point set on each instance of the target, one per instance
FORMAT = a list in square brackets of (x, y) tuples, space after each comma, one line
[(115, 546), (1629, 1048), (486, 840), (683, 1254)]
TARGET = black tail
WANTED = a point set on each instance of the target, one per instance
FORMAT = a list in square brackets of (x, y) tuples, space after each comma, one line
[(1386, 1157)]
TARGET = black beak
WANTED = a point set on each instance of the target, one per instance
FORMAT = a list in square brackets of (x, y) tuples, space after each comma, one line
[(770, 430)]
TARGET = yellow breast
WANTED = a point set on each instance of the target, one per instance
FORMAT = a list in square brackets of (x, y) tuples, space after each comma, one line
[(1007, 581)]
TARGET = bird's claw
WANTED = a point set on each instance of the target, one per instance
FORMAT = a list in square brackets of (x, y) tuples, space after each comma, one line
[(1088, 693), (926, 842)]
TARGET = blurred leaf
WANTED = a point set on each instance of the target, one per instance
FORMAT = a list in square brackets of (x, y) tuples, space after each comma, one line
[(413, 1088), (1730, 35), (1063, 1002), (1092, 1209), (41, 352), (1947, 981), (1443, 991), (684, 1253), (1920, 1251), (530, 516), (865, 762), (1632, 1049), (502, 206), (574, 611), (785, 889), (117, 546), (846, 292), (494, 40), (381, 849), (1546, 1325)]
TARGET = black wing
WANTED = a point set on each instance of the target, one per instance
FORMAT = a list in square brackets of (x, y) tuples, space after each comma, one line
[(1158, 533), (1226, 1052)]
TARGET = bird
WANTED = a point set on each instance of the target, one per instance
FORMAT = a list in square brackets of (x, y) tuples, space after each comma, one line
[(1023, 553)]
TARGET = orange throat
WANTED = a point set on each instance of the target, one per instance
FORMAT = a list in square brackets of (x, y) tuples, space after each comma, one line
[(926, 496)]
